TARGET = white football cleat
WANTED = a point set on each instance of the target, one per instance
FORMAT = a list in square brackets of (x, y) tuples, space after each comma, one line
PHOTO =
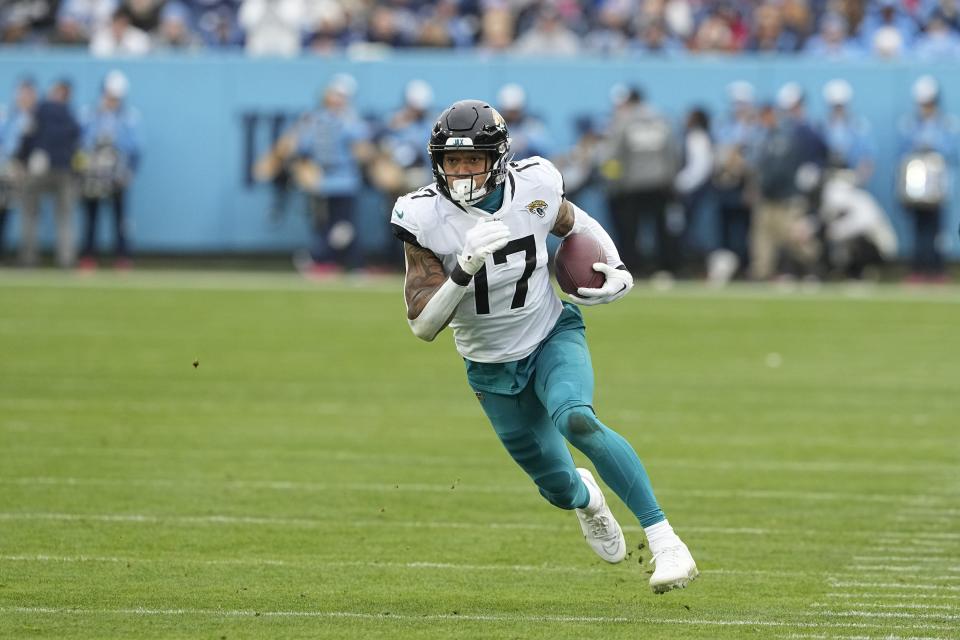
[(600, 529), (674, 568)]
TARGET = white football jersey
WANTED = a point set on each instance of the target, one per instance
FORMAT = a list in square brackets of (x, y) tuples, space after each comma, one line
[(510, 306)]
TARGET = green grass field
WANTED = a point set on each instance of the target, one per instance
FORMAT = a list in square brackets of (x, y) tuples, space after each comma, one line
[(323, 474)]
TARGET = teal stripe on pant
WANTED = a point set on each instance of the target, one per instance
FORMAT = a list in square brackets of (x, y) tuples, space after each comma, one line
[(555, 405)]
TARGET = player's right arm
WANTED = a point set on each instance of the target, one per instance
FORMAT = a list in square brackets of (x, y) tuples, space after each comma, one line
[(432, 296)]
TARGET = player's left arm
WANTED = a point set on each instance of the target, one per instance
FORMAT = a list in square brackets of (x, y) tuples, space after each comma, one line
[(573, 219)]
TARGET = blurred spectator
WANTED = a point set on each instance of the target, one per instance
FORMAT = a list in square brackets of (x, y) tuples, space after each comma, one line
[(833, 41), (810, 146), (401, 162), (579, 164), (26, 20), (273, 27), (848, 138), (779, 221), (928, 148), (144, 14), (769, 35), (639, 162), (886, 27), (327, 30), (693, 179), (857, 232), (111, 155), (940, 39), (174, 31), (548, 36), (653, 38), (332, 143), (737, 139), (527, 134), (714, 35), (442, 25), (386, 28), (16, 125), (119, 37), (216, 22), (496, 29), (611, 35), (49, 152), (78, 19)]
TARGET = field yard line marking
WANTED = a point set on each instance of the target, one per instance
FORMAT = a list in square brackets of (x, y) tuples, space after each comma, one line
[(813, 636), (234, 613), (908, 559), (144, 611), (893, 596), (289, 485), (876, 605), (304, 522), (893, 585), (920, 536), (895, 568), (308, 562), (317, 523), (885, 614), (683, 463)]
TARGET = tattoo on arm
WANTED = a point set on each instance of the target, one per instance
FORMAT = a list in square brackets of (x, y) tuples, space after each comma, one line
[(424, 276), (565, 219)]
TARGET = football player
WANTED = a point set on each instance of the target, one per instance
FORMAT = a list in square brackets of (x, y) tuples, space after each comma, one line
[(476, 259)]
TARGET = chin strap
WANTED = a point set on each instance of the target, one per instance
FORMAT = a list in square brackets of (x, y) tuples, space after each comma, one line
[(583, 223)]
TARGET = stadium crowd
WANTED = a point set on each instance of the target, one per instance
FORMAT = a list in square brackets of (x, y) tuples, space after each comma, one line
[(783, 191), (836, 29), (787, 192)]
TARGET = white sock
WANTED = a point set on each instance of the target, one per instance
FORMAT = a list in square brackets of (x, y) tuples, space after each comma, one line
[(660, 536), (596, 499)]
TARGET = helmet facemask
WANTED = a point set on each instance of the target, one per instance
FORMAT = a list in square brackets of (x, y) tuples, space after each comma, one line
[(462, 186)]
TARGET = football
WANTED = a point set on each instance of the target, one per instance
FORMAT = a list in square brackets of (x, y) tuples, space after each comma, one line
[(574, 263)]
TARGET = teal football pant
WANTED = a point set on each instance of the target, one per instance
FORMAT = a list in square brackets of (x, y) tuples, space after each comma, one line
[(556, 404)]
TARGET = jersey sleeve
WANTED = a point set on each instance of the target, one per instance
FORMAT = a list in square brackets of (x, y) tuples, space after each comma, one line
[(403, 222)]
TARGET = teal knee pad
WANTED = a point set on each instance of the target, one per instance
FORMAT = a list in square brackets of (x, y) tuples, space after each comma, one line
[(578, 425), (562, 489)]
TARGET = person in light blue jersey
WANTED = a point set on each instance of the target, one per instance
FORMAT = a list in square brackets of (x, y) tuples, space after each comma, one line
[(332, 142), (849, 139), (940, 40), (928, 147), (16, 125), (111, 152), (529, 136), (737, 137), (833, 40)]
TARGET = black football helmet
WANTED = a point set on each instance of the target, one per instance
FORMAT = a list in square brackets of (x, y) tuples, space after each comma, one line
[(470, 125)]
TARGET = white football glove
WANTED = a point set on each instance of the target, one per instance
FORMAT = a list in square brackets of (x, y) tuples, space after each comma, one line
[(618, 284), (482, 240)]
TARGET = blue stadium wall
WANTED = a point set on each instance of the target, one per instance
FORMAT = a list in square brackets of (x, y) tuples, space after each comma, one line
[(203, 116)]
